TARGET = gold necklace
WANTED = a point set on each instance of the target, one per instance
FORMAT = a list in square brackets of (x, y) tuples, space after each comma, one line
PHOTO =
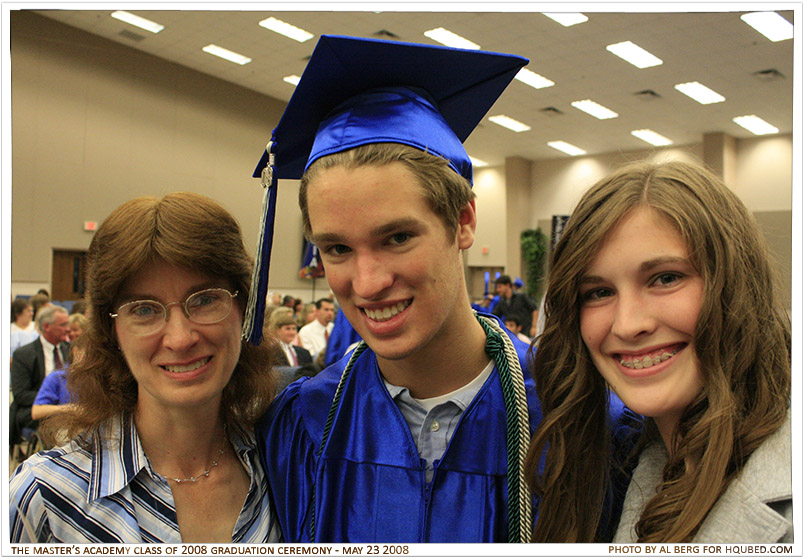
[(208, 469)]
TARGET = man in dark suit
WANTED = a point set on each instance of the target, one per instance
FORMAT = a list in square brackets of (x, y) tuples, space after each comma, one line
[(293, 361), (32, 362), (282, 325)]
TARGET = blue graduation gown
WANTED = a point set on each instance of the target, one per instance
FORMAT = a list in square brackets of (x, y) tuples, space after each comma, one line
[(370, 482)]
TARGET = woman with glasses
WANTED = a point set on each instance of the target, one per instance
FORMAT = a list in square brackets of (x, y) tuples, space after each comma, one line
[(166, 394)]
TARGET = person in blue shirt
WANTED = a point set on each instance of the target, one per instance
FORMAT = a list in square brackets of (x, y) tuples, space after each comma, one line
[(53, 395)]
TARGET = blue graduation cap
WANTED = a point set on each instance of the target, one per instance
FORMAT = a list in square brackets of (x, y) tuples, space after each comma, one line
[(358, 91)]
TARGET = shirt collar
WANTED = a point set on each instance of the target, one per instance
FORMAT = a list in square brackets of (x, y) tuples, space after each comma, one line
[(461, 397), (46, 345), (117, 457)]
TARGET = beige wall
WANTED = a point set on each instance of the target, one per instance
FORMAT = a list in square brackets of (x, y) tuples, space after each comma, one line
[(95, 123), (759, 170), (492, 208)]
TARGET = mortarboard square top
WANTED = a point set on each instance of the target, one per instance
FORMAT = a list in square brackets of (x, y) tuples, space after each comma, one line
[(358, 91)]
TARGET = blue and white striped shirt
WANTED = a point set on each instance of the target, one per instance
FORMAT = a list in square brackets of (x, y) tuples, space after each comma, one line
[(112, 495)]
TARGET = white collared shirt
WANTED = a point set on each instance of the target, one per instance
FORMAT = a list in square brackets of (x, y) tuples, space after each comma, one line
[(48, 347), (290, 354), (312, 337)]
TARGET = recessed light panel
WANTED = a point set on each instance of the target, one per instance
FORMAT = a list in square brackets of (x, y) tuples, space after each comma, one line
[(634, 54), (596, 110), (533, 79), (755, 125), (138, 21), (226, 54), (286, 29), (510, 123), (567, 148), (292, 79), (700, 93), (450, 39), (651, 137), (772, 25), (567, 19), (477, 163)]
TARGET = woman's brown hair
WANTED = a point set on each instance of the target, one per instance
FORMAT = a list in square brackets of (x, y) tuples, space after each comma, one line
[(742, 340), (186, 230)]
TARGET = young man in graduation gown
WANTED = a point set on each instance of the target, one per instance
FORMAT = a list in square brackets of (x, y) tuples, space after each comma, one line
[(418, 434)]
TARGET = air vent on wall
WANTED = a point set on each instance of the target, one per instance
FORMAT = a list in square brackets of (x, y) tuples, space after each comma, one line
[(385, 34), (768, 75), (551, 111), (126, 34), (647, 95)]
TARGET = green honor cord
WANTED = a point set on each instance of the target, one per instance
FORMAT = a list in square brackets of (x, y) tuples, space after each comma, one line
[(517, 432)]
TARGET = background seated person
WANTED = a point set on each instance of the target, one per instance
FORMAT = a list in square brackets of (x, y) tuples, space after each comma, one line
[(293, 362), (282, 326), (78, 323), (31, 363), (514, 321), (511, 301), (53, 396)]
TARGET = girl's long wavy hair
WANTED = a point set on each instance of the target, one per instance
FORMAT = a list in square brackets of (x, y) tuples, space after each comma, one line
[(183, 229), (742, 340)]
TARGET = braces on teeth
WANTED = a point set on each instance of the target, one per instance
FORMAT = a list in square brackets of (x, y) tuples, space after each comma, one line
[(648, 361)]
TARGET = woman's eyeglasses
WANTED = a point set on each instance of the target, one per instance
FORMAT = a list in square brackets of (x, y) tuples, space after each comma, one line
[(144, 317)]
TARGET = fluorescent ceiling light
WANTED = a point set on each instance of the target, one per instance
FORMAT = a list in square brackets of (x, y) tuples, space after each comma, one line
[(478, 162), (227, 54), (533, 79), (651, 137), (510, 123), (772, 25), (755, 125), (450, 39), (286, 29), (292, 79), (700, 93), (596, 110), (567, 19), (138, 21), (633, 54), (567, 148)]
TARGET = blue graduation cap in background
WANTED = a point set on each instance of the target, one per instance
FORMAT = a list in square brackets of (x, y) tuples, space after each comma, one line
[(359, 91)]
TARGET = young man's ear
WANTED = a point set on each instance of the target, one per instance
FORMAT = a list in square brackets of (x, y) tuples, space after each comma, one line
[(467, 222)]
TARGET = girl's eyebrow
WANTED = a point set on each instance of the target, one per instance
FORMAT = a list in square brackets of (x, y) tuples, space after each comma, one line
[(650, 264), (594, 279), (643, 267)]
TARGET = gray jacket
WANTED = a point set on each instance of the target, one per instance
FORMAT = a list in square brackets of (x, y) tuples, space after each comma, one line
[(757, 506)]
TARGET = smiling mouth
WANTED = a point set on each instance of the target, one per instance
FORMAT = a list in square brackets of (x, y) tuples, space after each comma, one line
[(179, 368), (385, 314), (640, 362)]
